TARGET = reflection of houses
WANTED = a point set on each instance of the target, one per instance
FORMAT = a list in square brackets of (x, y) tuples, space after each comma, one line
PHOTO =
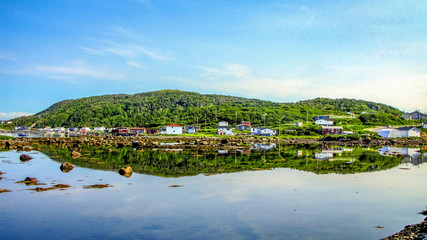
[(192, 128), (262, 146), (415, 115), (263, 131), (399, 132), (323, 120), (332, 130), (412, 155), (245, 125), (332, 153)]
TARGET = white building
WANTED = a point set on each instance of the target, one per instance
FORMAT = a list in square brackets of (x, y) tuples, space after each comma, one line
[(425, 124), (99, 129), (400, 132), (173, 129), (324, 122), (223, 123), (263, 131), (59, 129), (225, 130)]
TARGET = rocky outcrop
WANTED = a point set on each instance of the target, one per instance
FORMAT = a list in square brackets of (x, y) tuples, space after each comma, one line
[(25, 158), (126, 171), (66, 167)]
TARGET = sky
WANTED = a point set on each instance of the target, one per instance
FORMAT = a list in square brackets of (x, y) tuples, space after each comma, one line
[(281, 51)]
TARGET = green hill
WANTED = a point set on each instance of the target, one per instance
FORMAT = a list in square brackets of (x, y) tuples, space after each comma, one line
[(153, 109)]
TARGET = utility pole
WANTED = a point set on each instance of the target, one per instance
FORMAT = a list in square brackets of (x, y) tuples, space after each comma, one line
[(236, 118)]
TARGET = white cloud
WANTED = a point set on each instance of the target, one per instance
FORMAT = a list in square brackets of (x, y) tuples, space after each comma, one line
[(12, 115), (91, 51), (238, 79), (134, 64), (78, 69), (406, 92)]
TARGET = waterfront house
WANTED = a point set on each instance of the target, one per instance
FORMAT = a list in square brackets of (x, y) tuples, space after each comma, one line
[(245, 125), (120, 131), (99, 129), (59, 129), (263, 131), (332, 130), (425, 124), (400, 132), (417, 115), (191, 128), (173, 129), (152, 131), (223, 123), (323, 120), (42, 129), (137, 130), (225, 130)]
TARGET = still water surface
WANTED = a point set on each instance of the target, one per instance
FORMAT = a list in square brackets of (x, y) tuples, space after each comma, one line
[(281, 203)]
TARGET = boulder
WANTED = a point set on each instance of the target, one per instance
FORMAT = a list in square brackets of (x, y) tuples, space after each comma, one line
[(75, 154), (126, 171), (66, 167), (25, 158)]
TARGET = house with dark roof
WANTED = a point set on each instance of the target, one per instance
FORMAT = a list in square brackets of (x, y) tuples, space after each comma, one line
[(400, 132)]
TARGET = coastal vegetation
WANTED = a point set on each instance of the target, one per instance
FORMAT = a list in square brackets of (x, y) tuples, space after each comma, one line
[(159, 108)]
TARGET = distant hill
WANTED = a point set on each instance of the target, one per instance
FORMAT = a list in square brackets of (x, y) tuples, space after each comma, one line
[(159, 108)]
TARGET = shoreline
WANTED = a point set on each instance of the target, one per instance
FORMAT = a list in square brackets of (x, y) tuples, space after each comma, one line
[(191, 142)]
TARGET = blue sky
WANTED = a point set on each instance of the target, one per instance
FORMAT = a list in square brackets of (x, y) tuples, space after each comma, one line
[(283, 51)]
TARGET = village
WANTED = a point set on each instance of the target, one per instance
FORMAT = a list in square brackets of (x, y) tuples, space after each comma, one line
[(326, 124)]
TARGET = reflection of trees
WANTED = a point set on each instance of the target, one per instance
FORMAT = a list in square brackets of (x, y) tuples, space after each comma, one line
[(193, 162)]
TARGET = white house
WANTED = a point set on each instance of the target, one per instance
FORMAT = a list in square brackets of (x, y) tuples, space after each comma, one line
[(223, 123), (59, 129), (263, 131), (173, 129), (400, 132), (225, 130), (99, 129), (324, 122), (84, 129), (425, 124)]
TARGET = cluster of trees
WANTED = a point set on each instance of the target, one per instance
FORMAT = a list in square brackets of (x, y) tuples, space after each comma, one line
[(160, 108)]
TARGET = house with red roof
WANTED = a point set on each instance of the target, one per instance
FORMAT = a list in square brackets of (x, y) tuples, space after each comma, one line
[(173, 129)]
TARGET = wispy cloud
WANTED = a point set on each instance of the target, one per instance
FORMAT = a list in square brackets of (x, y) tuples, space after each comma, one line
[(11, 115), (65, 72), (6, 57), (76, 69), (134, 64), (126, 50), (238, 79)]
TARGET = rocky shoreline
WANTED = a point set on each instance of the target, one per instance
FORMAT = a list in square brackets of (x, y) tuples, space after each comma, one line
[(186, 142), (416, 231)]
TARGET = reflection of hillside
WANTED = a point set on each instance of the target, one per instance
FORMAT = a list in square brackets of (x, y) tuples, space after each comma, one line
[(193, 162), (411, 155)]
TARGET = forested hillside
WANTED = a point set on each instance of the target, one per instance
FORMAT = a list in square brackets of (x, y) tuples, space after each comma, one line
[(153, 109)]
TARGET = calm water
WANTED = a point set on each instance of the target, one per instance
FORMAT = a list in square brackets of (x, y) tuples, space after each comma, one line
[(299, 198)]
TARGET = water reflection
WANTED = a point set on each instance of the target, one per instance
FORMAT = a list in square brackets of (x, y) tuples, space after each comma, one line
[(184, 162), (411, 155)]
